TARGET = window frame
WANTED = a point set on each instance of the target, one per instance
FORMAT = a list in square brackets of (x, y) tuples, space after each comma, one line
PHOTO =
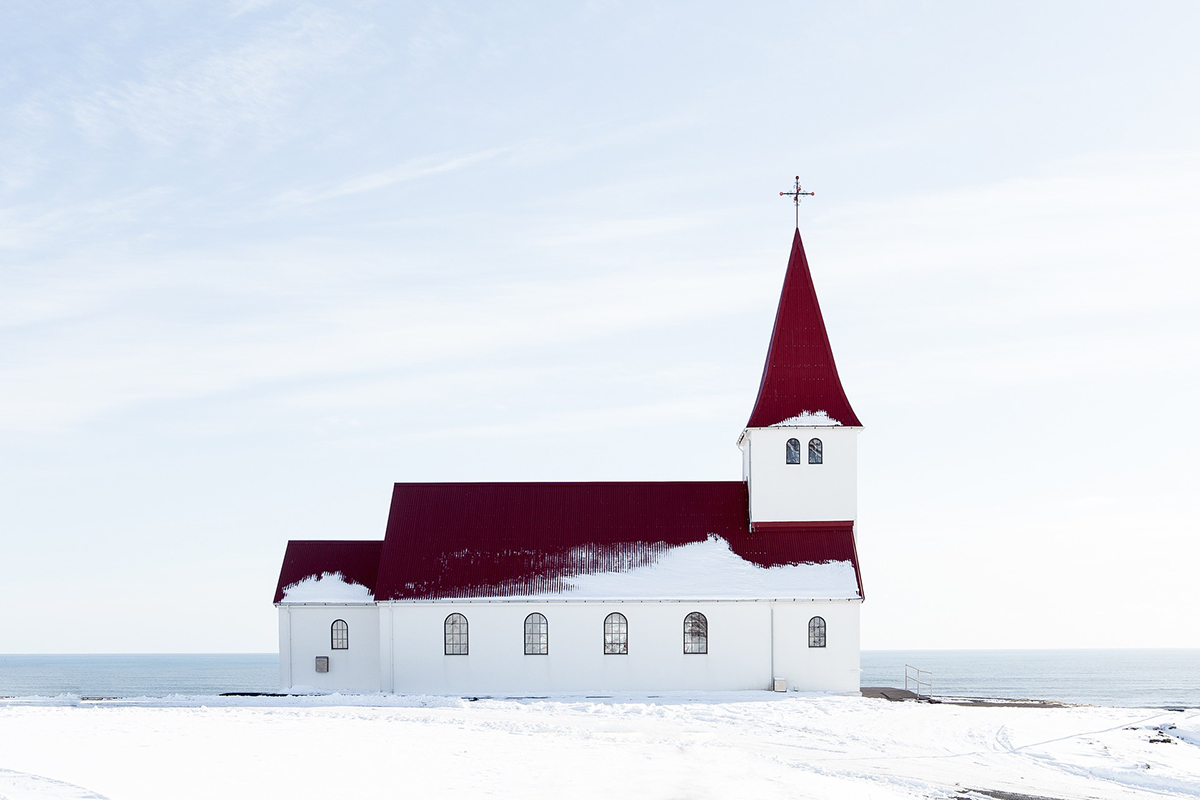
[(817, 629), (792, 454), (537, 634), (341, 642), (616, 634), (451, 645), (816, 454), (692, 639)]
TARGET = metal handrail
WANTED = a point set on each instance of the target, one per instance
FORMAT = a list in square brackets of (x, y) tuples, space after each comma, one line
[(915, 677)]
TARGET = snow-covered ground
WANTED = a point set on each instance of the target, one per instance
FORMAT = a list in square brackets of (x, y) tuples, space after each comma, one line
[(743, 745)]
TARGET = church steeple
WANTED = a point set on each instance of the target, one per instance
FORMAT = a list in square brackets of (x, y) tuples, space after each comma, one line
[(800, 378)]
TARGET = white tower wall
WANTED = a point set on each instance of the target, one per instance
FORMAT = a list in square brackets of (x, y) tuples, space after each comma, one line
[(804, 492)]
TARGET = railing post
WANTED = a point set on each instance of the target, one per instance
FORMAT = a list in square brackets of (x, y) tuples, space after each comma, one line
[(914, 675)]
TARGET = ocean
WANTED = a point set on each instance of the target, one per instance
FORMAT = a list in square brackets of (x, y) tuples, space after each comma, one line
[(138, 675), (1148, 678), (1143, 678)]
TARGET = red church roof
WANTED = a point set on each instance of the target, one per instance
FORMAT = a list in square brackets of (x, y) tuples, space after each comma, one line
[(357, 561), (488, 540), (448, 540), (799, 375)]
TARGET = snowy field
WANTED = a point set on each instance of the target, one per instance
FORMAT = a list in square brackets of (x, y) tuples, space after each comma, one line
[(743, 745)]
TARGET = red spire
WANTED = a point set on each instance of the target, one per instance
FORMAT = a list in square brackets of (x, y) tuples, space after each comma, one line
[(799, 375)]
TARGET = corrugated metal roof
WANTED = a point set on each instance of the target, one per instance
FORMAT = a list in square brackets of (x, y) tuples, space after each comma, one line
[(358, 561), (833, 540), (460, 540), (799, 374)]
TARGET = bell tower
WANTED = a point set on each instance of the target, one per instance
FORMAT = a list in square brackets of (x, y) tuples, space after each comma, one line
[(799, 448)]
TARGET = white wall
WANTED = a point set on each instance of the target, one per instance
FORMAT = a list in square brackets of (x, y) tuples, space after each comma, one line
[(833, 668), (782, 492), (739, 648), (304, 634)]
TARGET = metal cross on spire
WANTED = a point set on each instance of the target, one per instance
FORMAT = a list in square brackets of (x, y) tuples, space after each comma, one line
[(796, 194)]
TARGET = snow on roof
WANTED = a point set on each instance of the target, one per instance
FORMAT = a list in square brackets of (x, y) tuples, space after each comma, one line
[(799, 372), (328, 587), (710, 570), (808, 419), (357, 562)]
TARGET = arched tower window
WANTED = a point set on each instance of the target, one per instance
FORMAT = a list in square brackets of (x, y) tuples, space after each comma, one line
[(616, 635), (456, 635), (793, 451), (695, 634), (339, 635), (816, 452), (816, 632), (537, 635)]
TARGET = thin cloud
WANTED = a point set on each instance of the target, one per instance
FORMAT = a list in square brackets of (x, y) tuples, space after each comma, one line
[(409, 170), (585, 420), (125, 361), (540, 150), (233, 89)]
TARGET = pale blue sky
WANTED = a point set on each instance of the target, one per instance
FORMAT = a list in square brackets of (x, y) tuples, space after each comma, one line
[(259, 260)]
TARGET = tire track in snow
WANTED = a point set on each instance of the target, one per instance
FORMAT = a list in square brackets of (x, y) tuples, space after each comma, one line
[(1070, 736), (1166, 787), (16, 785)]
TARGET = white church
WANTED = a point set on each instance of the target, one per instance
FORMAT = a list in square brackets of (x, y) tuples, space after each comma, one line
[(537, 588)]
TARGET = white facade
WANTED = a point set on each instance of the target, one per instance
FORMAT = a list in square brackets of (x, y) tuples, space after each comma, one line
[(305, 632), (400, 647)]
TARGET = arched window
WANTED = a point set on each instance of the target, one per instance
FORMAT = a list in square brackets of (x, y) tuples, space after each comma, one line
[(695, 634), (339, 634), (537, 635), (815, 451), (793, 451), (816, 632), (456, 635), (616, 635)]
